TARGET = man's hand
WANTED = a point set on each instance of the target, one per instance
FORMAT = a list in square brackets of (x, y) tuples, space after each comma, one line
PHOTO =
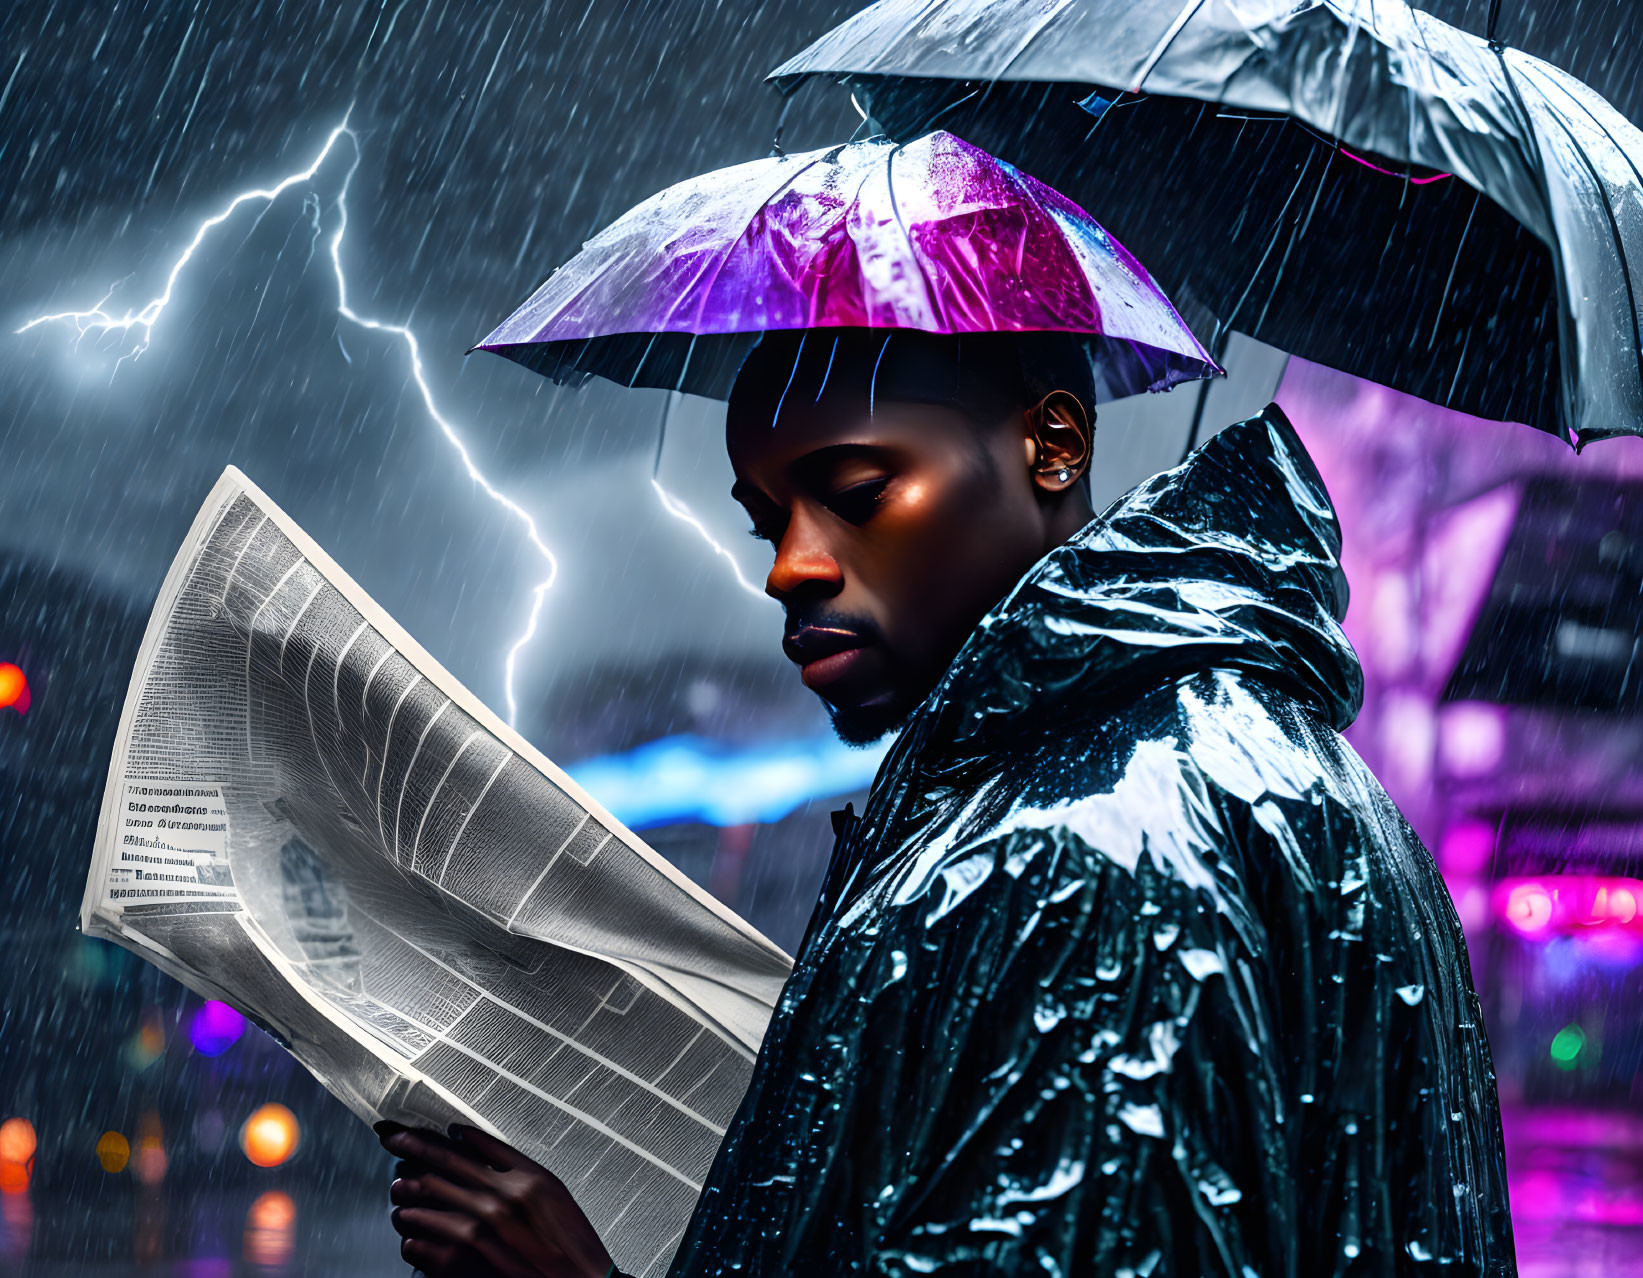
[(469, 1205)]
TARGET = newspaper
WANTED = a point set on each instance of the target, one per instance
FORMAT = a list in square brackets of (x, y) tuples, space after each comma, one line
[(308, 818)]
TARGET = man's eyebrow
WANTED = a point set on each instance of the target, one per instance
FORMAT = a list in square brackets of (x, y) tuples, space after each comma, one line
[(820, 458)]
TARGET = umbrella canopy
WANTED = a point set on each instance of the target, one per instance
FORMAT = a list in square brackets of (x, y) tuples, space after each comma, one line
[(936, 235), (1351, 180)]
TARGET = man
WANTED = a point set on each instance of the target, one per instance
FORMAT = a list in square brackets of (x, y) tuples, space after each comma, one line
[(1129, 966)]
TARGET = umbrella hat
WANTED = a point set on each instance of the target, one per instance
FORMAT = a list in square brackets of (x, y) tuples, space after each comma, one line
[(935, 235), (1353, 181)]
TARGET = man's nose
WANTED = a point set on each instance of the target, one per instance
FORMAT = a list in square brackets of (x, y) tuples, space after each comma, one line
[(803, 564)]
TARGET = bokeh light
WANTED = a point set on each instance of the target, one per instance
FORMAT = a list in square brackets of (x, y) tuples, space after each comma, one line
[(270, 1135), (1529, 908), (17, 1140), (1585, 905), (215, 1028), (148, 1043), (148, 1159), (1567, 1045), (17, 1145), (271, 1230), (689, 778), (14, 688), (113, 1152)]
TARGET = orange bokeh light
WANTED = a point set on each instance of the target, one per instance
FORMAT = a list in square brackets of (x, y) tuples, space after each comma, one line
[(17, 1140), (270, 1230), (270, 1135), (17, 1145), (113, 1151), (273, 1210), (148, 1158), (14, 687)]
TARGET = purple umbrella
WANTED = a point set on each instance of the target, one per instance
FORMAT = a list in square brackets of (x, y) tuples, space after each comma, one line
[(936, 235)]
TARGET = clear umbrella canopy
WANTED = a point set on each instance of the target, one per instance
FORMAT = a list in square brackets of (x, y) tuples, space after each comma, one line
[(935, 235)]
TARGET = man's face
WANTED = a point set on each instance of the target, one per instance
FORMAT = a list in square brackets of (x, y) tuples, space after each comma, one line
[(896, 525)]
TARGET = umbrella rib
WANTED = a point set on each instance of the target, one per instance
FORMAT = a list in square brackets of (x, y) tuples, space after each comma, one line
[(827, 372), (1603, 202), (906, 235), (1032, 35), (792, 373), (1162, 47), (1596, 123), (719, 266), (1353, 26), (684, 370), (1409, 99), (873, 381)]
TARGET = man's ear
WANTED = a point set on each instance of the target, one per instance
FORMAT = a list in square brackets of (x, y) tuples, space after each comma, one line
[(1059, 438)]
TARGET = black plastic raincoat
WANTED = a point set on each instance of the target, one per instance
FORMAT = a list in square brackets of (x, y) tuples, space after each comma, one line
[(1130, 966)]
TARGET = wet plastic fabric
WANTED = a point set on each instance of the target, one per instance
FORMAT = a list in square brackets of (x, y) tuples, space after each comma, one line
[(1377, 75), (1131, 967), (936, 235)]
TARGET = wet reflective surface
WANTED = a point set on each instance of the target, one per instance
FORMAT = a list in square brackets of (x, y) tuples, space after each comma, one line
[(1130, 964)]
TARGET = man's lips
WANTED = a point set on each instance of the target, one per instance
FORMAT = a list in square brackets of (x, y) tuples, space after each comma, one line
[(823, 654), (826, 670)]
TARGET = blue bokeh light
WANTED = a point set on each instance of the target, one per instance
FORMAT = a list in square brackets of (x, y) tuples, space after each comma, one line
[(689, 778)]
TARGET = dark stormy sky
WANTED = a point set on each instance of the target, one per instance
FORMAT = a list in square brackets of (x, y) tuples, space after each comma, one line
[(491, 139)]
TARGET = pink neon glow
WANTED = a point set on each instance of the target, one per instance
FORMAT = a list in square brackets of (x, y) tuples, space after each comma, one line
[(1471, 738), (1529, 908), (1467, 848), (1416, 181), (1570, 904)]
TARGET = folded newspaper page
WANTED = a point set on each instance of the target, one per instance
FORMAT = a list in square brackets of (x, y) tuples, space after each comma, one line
[(308, 818)]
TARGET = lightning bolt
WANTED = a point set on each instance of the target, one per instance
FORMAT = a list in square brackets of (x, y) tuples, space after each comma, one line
[(96, 319), (681, 512)]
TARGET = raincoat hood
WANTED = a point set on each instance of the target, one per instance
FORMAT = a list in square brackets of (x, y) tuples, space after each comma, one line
[(1231, 561), (1130, 965)]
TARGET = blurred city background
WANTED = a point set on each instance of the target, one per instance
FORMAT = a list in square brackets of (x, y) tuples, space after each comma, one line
[(1497, 577)]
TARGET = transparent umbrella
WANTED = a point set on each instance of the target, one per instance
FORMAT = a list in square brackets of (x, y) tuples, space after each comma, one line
[(936, 235)]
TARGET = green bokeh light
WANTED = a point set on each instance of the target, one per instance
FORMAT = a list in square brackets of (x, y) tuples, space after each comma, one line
[(1567, 1045)]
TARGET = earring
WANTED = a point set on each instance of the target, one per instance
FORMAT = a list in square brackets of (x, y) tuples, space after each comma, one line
[(1062, 474)]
